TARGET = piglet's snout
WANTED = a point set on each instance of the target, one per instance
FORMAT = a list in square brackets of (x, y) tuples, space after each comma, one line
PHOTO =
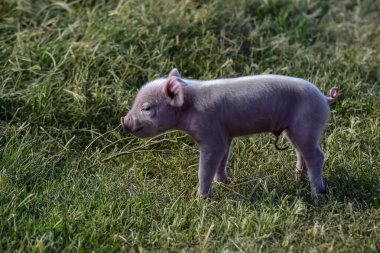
[(124, 124)]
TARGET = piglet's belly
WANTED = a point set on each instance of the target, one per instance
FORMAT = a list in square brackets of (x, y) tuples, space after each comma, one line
[(242, 127)]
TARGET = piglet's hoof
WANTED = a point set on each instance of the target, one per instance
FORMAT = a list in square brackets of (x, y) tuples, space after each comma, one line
[(320, 194), (300, 174), (204, 195), (223, 180)]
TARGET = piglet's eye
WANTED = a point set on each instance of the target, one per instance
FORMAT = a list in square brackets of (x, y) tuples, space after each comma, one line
[(145, 107)]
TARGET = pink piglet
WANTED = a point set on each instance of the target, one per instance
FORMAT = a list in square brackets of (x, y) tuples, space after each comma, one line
[(213, 112)]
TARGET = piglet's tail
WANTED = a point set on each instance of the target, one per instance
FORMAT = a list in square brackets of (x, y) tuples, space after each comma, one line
[(334, 93)]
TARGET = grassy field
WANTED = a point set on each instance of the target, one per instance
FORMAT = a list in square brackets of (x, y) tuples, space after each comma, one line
[(70, 180)]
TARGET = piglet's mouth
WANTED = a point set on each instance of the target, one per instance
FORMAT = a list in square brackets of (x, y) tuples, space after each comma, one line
[(138, 129)]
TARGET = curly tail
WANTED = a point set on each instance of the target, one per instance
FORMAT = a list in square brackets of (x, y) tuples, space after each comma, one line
[(334, 93)]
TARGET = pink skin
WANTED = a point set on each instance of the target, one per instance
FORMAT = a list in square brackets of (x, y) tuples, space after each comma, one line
[(216, 111)]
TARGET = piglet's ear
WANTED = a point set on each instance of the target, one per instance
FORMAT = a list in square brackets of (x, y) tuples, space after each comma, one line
[(175, 73), (174, 91)]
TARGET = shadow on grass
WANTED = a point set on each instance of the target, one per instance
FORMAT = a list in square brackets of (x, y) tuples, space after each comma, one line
[(361, 188)]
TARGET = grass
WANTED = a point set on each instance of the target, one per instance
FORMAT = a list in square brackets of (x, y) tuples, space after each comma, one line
[(70, 180)]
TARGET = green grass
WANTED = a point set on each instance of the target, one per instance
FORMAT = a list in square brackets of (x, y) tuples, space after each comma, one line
[(70, 180)]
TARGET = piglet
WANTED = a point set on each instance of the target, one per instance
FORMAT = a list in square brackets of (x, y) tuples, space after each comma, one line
[(216, 111)]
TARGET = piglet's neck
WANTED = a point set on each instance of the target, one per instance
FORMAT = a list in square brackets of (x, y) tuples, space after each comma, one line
[(184, 122), (185, 115)]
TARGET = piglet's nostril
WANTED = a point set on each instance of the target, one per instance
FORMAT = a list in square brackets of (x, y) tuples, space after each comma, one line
[(125, 128)]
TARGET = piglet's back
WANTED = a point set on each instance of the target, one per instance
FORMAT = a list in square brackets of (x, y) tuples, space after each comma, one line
[(256, 104)]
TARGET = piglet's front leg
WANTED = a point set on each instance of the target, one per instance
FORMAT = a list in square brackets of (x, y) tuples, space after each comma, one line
[(221, 171), (211, 157)]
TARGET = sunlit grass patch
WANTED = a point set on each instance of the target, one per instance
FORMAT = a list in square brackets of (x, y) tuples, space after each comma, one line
[(71, 180)]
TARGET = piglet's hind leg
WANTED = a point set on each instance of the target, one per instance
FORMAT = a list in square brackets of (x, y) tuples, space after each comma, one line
[(300, 166), (308, 150), (314, 161)]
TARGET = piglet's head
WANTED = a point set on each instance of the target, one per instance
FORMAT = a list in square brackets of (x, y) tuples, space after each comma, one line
[(156, 107)]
